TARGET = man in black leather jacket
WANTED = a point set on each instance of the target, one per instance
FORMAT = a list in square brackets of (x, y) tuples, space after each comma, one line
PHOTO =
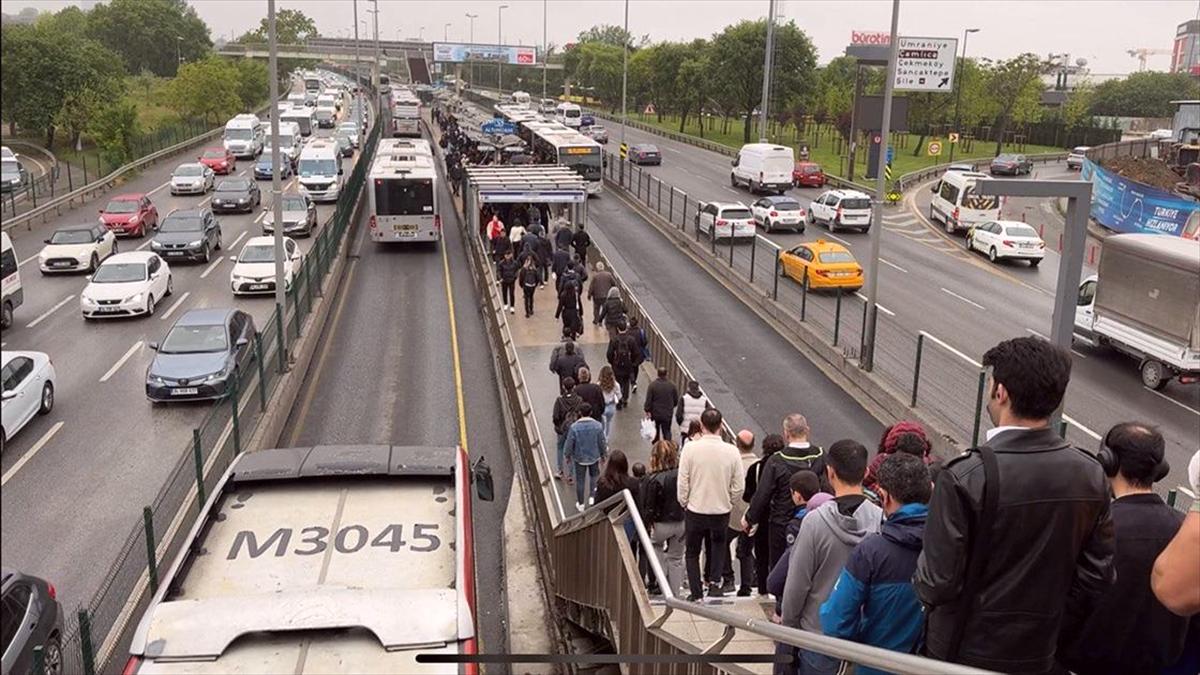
[(1050, 550)]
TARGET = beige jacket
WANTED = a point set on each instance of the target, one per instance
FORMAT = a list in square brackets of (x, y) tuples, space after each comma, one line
[(739, 505), (711, 476)]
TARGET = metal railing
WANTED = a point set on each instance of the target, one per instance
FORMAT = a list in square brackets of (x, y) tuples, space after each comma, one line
[(1138, 147), (100, 629)]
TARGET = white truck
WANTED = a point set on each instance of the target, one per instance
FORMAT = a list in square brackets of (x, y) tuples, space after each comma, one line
[(244, 135), (326, 559), (1144, 301)]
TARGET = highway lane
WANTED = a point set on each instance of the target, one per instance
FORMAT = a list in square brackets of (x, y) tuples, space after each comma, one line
[(84, 471), (930, 282), (385, 372)]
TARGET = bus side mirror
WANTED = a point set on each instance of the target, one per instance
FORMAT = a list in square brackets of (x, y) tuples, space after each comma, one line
[(481, 475)]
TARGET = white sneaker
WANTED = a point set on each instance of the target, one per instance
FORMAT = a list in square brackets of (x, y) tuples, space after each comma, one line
[(578, 506), (512, 310), (591, 501)]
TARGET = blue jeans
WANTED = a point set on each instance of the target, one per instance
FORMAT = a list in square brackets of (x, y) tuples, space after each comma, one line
[(582, 474), (813, 663), (564, 464), (609, 410)]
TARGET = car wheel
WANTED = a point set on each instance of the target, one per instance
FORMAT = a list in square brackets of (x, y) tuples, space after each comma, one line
[(47, 403), (767, 224), (170, 286), (1034, 262), (218, 247), (992, 254), (1154, 375), (52, 663), (205, 254), (969, 241), (94, 263), (752, 187), (114, 250), (6, 315), (149, 304), (732, 180), (948, 225)]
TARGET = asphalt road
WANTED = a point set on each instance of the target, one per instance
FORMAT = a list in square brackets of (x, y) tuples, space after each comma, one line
[(75, 481), (385, 373), (929, 282)]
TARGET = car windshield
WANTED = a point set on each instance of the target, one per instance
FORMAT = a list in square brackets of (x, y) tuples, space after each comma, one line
[(318, 167), (239, 134), (810, 169), (214, 154), (265, 158), (71, 237), (294, 203), (835, 257), (181, 224), (195, 340), (785, 206), (856, 203), (572, 114), (257, 254), (190, 170), (119, 273), (1020, 231), (1006, 158), (1081, 149), (735, 214), (234, 186), (121, 206), (10, 167), (649, 149)]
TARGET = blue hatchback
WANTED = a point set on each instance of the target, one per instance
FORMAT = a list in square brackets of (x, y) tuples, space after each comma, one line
[(262, 167)]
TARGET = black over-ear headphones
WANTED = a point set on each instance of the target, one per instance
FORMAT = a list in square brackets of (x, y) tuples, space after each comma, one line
[(1111, 461)]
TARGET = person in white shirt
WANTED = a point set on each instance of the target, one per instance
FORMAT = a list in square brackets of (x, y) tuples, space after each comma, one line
[(711, 479)]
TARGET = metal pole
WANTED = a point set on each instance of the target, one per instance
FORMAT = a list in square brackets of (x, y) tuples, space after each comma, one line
[(151, 556), (375, 14), (472, 18), (837, 317), (500, 43), (624, 72), (958, 94), (753, 248), (766, 86), (978, 407), (544, 8), (276, 183), (854, 122), (198, 459), (917, 369), (85, 642), (868, 360), (358, 76)]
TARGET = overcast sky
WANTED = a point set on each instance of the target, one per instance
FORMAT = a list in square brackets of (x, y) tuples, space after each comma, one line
[(1100, 31)]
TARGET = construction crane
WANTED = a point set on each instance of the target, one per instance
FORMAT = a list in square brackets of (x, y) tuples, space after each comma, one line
[(1144, 52)]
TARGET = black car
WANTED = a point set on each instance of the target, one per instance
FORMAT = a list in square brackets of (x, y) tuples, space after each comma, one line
[(644, 153), (202, 354), (32, 617), (191, 234), (1010, 164), (236, 194)]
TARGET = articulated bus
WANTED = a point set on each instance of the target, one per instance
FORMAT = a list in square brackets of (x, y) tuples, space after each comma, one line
[(404, 193), (559, 145)]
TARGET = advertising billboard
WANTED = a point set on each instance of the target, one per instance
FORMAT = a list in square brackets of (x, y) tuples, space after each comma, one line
[(1128, 206), (454, 52)]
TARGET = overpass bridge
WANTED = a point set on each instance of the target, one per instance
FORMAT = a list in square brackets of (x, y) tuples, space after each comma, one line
[(343, 50)]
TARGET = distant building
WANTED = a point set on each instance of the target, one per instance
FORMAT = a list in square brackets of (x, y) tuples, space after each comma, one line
[(1185, 55)]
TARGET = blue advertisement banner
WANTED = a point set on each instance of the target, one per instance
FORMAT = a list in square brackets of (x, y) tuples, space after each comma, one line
[(1124, 205)]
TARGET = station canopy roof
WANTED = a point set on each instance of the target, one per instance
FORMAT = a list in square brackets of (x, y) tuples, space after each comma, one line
[(526, 183)]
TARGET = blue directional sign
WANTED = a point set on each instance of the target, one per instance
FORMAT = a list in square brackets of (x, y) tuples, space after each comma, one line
[(498, 126), (890, 153)]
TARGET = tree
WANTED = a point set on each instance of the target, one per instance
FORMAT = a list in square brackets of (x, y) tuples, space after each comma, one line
[(737, 59), (607, 34), (207, 89), (1015, 86), (599, 71), (1076, 111), (150, 34), (113, 127), (692, 83), (291, 27), (665, 59), (253, 84), (1143, 94)]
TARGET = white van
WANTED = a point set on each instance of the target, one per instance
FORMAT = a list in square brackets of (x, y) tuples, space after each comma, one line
[(568, 114), (11, 293), (295, 100), (290, 141), (305, 118), (244, 135), (763, 167), (957, 206), (320, 171), (326, 112)]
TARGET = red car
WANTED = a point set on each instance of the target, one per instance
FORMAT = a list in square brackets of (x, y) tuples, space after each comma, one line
[(130, 215), (219, 160), (808, 174)]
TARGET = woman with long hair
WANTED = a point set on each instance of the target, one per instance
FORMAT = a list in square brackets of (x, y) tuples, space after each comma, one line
[(615, 477), (662, 511), (612, 396)]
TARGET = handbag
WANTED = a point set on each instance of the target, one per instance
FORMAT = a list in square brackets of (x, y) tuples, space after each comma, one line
[(648, 430)]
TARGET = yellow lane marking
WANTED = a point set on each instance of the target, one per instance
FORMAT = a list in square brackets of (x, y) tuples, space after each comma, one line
[(458, 388)]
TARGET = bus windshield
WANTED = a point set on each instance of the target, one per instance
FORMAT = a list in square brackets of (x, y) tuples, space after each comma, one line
[(403, 197), (587, 165)]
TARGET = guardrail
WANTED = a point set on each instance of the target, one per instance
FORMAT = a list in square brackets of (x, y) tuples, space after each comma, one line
[(1138, 147), (96, 633), (913, 178)]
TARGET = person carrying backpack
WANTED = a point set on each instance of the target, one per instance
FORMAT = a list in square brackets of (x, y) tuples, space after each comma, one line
[(567, 410), (565, 361), (568, 309), (622, 356), (530, 277), (613, 312)]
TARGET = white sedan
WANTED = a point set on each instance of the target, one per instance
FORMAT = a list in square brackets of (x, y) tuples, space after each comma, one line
[(192, 178), (78, 247), (1007, 239), (254, 271), (28, 384), (127, 284), (779, 212)]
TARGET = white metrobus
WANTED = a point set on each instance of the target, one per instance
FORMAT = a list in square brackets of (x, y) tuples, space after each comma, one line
[(406, 115), (555, 144), (404, 193)]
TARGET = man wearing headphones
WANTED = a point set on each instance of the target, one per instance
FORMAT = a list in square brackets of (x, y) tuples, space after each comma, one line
[(1130, 631)]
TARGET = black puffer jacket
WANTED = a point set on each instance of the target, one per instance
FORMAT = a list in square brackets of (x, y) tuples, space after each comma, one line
[(1050, 557), (660, 498), (772, 501)]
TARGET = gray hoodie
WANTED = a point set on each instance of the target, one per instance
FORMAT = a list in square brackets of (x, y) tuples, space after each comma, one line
[(826, 538)]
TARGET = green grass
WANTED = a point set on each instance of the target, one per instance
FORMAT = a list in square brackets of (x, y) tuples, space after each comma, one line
[(825, 146)]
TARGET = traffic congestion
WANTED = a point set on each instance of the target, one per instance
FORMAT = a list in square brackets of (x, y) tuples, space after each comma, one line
[(270, 404)]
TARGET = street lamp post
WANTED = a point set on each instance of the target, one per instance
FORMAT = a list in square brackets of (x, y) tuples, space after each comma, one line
[(375, 24), (276, 183), (500, 43), (445, 32), (358, 75), (544, 4), (472, 18), (624, 72), (421, 34), (766, 86), (958, 94)]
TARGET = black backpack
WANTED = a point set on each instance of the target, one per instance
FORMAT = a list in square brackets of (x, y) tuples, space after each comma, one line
[(622, 354), (571, 414)]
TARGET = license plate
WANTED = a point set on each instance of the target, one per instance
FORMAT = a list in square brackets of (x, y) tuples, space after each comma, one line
[(174, 252), (108, 310), (258, 287), (185, 391), (404, 228), (61, 264)]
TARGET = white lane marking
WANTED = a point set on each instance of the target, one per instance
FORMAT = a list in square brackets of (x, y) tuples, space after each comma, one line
[(175, 306), (159, 187), (883, 309), (239, 238), (1034, 332), (260, 217), (733, 190), (121, 361), (892, 264), (969, 302), (32, 451), (1069, 420), (50, 311), (212, 267), (1181, 405), (242, 172), (830, 236), (144, 244), (29, 259), (205, 201), (1079, 354)]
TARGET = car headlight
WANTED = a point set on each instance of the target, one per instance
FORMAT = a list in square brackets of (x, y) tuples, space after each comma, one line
[(155, 379), (215, 377), (134, 299), (193, 244), (86, 301), (242, 200)]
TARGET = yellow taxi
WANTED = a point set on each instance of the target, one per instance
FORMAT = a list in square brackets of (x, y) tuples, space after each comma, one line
[(826, 264)]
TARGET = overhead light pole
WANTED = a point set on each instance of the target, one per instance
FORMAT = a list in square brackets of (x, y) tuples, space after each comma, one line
[(500, 44), (445, 32), (958, 94), (276, 183), (375, 25), (358, 75), (766, 86), (178, 50), (544, 7), (624, 72), (472, 18)]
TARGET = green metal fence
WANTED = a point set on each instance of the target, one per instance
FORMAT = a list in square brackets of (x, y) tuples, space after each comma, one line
[(156, 537)]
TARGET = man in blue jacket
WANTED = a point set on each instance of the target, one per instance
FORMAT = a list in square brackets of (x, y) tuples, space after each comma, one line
[(873, 601)]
